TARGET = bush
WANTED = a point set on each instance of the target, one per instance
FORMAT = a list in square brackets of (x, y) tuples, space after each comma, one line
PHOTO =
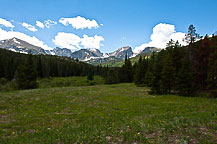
[(3, 81), (8, 86), (213, 94)]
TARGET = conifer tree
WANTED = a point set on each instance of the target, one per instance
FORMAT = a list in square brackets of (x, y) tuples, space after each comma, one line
[(138, 76), (39, 68), (125, 74), (212, 65), (149, 73), (156, 75), (112, 77), (128, 70), (184, 79), (168, 71), (191, 36), (90, 75), (168, 75), (26, 75)]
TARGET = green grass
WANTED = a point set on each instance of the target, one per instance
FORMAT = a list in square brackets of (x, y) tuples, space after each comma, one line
[(68, 81), (121, 113)]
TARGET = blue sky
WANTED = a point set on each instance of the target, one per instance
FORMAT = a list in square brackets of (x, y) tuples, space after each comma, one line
[(125, 22)]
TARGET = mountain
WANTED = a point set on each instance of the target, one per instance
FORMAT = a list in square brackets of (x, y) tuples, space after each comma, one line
[(119, 62), (121, 52), (21, 46), (61, 52), (148, 50), (86, 54), (117, 55), (91, 56)]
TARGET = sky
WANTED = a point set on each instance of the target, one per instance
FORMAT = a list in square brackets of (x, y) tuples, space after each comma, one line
[(105, 24)]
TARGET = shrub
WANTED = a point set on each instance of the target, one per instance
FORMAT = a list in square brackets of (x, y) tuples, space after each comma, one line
[(213, 94)]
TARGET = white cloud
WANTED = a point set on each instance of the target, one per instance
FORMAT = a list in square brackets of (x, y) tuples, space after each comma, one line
[(92, 42), (162, 34), (79, 22), (48, 23), (32, 40), (74, 42), (6, 23), (29, 27), (67, 40), (39, 24)]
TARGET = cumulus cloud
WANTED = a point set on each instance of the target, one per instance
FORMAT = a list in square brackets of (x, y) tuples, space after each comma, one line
[(6, 23), (162, 34), (92, 42), (67, 40), (79, 22), (74, 42), (29, 27), (32, 40), (48, 23), (39, 24)]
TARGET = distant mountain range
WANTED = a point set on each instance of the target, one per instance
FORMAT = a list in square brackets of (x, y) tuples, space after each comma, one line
[(21, 46), (92, 56)]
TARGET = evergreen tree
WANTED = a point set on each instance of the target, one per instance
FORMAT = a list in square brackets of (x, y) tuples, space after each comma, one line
[(212, 65), (125, 73), (192, 36), (112, 77), (184, 79), (156, 75), (168, 71), (138, 76), (26, 75), (168, 75), (90, 75), (39, 68), (140, 71), (149, 73)]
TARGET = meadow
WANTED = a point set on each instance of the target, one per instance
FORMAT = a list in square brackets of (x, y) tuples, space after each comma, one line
[(92, 113)]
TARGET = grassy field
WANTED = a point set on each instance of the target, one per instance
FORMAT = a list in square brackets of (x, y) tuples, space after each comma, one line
[(68, 81), (121, 113)]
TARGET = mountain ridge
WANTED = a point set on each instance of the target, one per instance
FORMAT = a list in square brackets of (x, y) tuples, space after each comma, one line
[(91, 56)]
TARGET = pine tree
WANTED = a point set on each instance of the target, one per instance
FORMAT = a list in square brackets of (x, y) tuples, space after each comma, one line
[(138, 76), (128, 70), (149, 73), (212, 65), (168, 71), (168, 75), (125, 73), (156, 75), (184, 79), (39, 68), (192, 36), (112, 77), (26, 75), (90, 75)]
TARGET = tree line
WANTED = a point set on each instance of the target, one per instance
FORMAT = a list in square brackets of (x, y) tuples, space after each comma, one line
[(25, 69), (176, 69)]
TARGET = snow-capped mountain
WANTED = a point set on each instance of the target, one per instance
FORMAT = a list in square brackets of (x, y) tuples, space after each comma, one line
[(21, 46), (88, 55), (61, 52), (121, 52)]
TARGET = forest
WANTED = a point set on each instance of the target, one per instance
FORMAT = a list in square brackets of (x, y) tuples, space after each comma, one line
[(183, 70), (24, 69), (164, 97)]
